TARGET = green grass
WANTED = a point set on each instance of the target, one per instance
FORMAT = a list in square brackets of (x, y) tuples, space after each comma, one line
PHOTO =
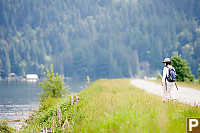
[(195, 84), (45, 115), (115, 106)]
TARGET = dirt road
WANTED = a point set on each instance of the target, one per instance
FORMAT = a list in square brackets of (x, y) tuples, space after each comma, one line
[(186, 95)]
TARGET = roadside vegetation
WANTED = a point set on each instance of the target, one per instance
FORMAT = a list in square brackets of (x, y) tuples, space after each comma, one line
[(183, 70), (195, 84), (117, 106), (4, 128), (55, 109)]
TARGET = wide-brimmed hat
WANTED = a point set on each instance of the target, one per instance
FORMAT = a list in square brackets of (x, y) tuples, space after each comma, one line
[(166, 60)]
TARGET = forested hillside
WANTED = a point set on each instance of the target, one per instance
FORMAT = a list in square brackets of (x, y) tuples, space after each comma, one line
[(99, 38)]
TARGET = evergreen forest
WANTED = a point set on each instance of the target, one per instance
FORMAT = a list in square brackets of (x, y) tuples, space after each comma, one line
[(98, 38)]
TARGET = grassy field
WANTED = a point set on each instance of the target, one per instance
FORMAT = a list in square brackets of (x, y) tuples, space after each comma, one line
[(115, 106), (195, 84)]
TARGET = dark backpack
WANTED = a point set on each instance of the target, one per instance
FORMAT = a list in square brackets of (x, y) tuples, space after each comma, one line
[(172, 75)]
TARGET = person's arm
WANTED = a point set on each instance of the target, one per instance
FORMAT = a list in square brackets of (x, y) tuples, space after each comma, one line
[(164, 75)]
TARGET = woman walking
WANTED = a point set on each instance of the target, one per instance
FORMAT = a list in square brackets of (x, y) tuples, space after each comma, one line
[(169, 89)]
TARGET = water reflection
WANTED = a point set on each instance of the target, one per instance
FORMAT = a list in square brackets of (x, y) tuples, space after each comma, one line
[(18, 99)]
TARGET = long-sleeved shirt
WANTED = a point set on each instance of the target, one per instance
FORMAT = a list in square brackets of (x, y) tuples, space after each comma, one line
[(165, 72)]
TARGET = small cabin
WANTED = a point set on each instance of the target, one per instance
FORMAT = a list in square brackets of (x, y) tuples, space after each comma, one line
[(32, 77)]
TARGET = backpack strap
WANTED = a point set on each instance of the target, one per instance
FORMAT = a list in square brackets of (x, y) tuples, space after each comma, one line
[(167, 73), (166, 79)]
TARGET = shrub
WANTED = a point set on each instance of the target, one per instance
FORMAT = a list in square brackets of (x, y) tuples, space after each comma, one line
[(44, 118), (182, 69), (53, 86), (4, 128), (49, 102)]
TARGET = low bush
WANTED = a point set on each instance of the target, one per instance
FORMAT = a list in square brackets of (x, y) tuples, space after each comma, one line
[(60, 117), (4, 128), (182, 69), (53, 86)]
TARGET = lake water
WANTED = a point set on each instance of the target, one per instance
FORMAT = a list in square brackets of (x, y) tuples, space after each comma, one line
[(18, 99)]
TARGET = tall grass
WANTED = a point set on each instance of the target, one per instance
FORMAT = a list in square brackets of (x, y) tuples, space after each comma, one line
[(195, 84), (116, 106), (4, 128), (58, 117)]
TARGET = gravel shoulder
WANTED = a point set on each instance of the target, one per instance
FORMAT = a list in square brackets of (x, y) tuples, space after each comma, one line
[(186, 95)]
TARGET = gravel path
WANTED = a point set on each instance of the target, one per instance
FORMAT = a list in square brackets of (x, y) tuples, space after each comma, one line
[(186, 95)]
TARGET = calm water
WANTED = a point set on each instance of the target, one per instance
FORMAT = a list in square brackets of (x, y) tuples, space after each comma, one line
[(17, 99)]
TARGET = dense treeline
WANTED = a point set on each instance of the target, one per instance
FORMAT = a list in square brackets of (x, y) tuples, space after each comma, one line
[(99, 38)]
